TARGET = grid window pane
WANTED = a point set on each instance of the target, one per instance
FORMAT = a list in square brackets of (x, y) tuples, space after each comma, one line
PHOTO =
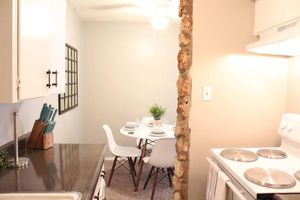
[(69, 99)]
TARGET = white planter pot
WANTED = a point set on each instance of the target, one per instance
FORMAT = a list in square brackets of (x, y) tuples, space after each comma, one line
[(157, 123)]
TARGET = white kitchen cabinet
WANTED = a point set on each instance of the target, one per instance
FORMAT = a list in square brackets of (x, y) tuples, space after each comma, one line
[(8, 51), (33, 44), (99, 190), (269, 13), (58, 46)]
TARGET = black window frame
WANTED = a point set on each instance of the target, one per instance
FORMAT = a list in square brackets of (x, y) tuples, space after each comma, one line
[(69, 100)]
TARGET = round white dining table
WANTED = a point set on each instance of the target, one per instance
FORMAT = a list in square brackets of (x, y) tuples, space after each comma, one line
[(146, 132), (143, 131)]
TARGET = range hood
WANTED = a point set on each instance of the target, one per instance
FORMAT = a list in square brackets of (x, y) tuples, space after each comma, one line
[(279, 40)]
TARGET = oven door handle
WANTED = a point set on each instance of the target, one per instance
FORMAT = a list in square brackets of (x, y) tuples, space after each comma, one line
[(235, 190)]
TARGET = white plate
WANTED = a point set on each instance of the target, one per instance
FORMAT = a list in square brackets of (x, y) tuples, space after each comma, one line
[(157, 135), (129, 129), (157, 132)]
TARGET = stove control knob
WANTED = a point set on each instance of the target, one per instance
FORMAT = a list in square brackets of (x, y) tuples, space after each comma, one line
[(283, 125), (290, 127)]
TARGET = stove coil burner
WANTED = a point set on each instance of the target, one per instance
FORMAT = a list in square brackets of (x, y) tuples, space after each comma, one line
[(297, 175), (240, 155), (271, 153), (271, 178)]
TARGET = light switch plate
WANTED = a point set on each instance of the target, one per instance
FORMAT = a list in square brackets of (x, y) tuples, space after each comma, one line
[(207, 93)]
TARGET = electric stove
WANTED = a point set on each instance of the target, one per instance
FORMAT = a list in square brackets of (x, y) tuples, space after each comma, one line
[(265, 171)]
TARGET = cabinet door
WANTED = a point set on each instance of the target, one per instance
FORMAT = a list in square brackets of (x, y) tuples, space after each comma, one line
[(269, 13), (57, 46), (8, 51), (35, 26)]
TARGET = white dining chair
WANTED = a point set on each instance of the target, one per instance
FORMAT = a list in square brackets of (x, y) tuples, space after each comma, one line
[(125, 153), (162, 157)]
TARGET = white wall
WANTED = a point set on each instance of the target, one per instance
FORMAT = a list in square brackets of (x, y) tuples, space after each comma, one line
[(249, 90), (293, 101), (127, 67), (69, 126)]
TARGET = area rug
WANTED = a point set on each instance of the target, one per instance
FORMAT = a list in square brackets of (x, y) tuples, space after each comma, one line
[(121, 187)]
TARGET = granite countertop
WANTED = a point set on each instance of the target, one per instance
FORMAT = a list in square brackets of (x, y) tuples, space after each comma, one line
[(65, 167), (287, 197)]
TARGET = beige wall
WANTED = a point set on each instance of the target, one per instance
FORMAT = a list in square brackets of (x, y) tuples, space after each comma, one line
[(128, 67), (249, 91), (293, 100), (68, 128)]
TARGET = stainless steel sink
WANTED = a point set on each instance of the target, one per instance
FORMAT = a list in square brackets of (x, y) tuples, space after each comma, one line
[(41, 196)]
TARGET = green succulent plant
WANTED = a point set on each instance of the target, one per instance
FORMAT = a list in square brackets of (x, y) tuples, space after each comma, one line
[(4, 160), (157, 111)]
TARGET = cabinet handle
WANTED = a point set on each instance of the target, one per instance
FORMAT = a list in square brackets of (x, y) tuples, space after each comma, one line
[(49, 79), (55, 84)]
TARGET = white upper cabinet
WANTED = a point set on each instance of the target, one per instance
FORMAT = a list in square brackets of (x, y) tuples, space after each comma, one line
[(269, 13), (8, 51), (35, 47), (57, 46)]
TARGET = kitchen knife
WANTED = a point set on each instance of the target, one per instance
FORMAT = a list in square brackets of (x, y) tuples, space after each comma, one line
[(48, 114), (43, 112), (50, 127), (53, 116)]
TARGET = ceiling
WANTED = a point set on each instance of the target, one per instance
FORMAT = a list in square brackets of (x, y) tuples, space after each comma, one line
[(125, 10)]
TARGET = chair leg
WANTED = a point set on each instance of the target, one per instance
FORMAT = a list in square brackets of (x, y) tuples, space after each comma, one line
[(172, 171), (169, 176), (154, 183), (148, 178), (112, 171), (139, 176), (143, 152), (139, 147), (134, 161), (140, 143), (133, 166), (131, 170), (140, 161)]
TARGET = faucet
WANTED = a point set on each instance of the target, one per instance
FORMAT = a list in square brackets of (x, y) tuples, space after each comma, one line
[(17, 162)]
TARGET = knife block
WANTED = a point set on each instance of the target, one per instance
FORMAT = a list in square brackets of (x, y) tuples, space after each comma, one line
[(38, 139), (46, 142)]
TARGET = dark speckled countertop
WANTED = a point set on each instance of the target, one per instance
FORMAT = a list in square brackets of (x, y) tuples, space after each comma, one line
[(287, 197), (65, 167)]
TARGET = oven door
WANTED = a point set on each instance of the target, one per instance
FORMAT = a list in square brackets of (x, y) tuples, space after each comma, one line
[(233, 193), (233, 190), (99, 191)]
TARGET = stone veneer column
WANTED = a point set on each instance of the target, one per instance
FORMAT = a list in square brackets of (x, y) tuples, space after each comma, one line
[(184, 86)]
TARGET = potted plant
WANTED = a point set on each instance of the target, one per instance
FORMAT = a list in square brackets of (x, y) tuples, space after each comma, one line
[(4, 160), (157, 112)]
